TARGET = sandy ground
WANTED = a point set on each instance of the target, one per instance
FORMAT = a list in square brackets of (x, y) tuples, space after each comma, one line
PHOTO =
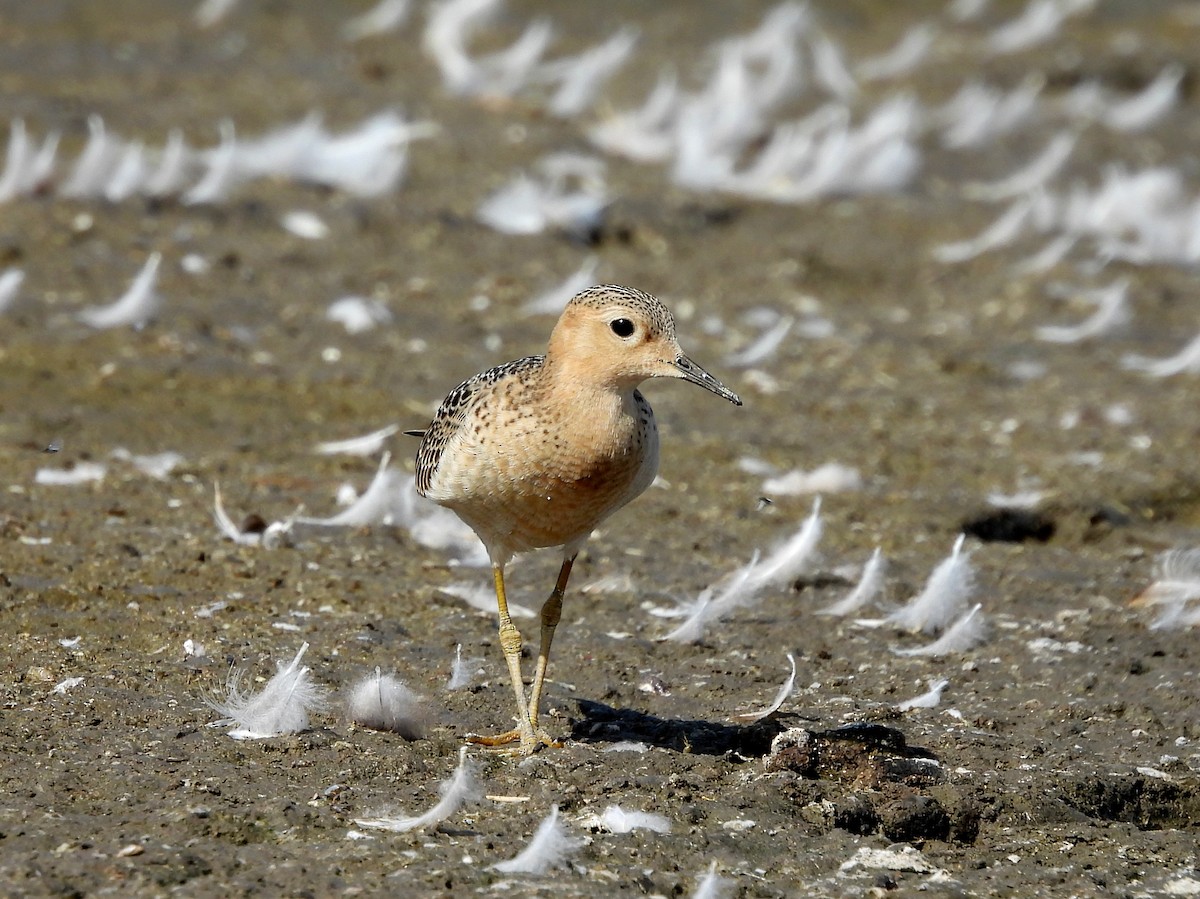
[(1066, 743)]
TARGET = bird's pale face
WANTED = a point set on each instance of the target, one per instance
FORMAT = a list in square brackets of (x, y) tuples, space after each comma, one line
[(623, 344)]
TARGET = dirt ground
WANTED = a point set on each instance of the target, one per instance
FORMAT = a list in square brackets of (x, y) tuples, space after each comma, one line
[(1066, 744)]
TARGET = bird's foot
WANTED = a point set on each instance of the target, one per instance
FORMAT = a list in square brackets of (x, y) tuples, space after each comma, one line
[(527, 741)]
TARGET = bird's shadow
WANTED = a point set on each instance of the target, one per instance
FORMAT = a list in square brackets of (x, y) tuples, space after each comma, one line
[(604, 724)]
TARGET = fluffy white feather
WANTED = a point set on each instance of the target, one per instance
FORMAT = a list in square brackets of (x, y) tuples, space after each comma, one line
[(95, 164), (615, 819), (1176, 584), (712, 886), (274, 534), (384, 702), (280, 707), (376, 505), (963, 635), (580, 78), (944, 596), (762, 347), (461, 787), (462, 671), (744, 586), (645, 134), (135, 307), (977, 113), (868, 587), (548, 849)]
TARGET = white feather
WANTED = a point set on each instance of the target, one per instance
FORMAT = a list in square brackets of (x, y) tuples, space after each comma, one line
[(1030, 176), (462, 671), (80, 473), (1151, 104), (384, 702), (384, 16), (281, 707), (1186, 360), (712, 886), (366, 445), (1112, 311), (459, 788), (552, 301), (221, 175), (11, 280), (645, 134), (743, 586), (548, 849), (927, 700), (580, 78), (377, 504), (135, 307), (945, 594), (780, 697), (964, 635), (832, 477), (868, 587), (615, 819)]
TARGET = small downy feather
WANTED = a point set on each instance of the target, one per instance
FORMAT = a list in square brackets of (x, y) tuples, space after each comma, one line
[(946, 592), (868, 587), (615, 819), (744, 586), (383, 702), (965, 634), (548, 849), (280, 707), (1176, 584), (459, 788), (712, 886)]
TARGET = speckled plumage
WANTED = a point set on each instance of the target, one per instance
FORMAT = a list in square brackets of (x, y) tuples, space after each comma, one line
[(537, 452)]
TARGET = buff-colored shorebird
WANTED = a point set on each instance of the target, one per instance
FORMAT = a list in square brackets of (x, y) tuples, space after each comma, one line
[(537, 452)]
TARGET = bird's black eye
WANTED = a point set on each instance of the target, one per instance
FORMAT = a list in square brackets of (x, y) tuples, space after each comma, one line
[(622, 327)]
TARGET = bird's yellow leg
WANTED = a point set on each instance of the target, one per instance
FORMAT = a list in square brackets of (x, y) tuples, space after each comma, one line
[(510, 643), (551, 612)]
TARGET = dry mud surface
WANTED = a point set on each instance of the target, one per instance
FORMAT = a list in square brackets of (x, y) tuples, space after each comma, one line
[(1066, 744)]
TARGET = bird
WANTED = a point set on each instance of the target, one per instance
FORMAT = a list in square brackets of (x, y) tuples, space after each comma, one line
[(537, 452)]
